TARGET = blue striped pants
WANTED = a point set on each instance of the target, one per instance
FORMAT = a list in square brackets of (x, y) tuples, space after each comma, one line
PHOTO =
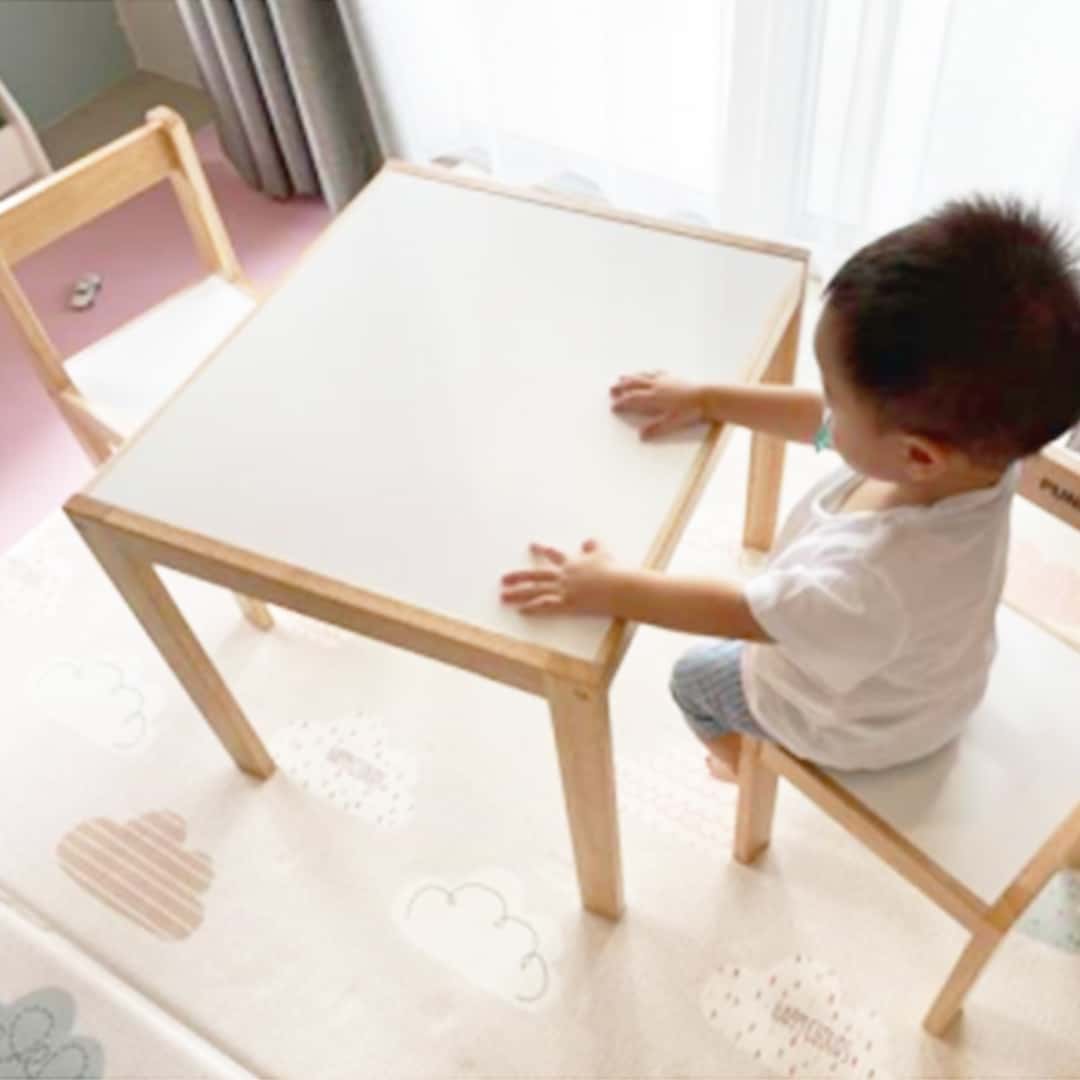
[(706, 684)]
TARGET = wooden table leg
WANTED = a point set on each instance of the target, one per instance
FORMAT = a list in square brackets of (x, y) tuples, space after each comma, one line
[(256, 612), (150, 602), (767, 454), (582, 727)]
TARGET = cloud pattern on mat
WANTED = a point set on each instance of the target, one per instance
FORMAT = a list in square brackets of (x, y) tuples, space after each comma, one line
[(479, 929), (104, 702), (36, 1040), (350, 763), (141, 870), (673, 792), (1054, 917), (794, 1020), (32, 584)]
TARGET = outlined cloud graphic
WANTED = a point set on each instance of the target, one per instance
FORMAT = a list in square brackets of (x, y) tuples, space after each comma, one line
[(36, 1040), (103, 701), (478, 928)]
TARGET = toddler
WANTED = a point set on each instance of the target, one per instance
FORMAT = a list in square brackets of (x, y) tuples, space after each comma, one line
[(949, 350)]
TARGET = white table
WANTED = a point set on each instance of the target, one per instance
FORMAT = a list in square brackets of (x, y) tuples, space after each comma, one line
[(426, 394)]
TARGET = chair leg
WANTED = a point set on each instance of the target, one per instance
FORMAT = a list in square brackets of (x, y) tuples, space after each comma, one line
[(256, 612), (1072, 860), (96, 447), (1013, 902), (756, 802), (950, 999)]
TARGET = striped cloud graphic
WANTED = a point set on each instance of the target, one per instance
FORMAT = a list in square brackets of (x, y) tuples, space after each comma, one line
[(142, 870)]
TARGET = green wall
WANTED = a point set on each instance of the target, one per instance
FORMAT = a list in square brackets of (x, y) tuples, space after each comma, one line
[(56, 54)]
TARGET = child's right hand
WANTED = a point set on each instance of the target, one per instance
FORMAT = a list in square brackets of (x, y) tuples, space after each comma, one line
[(672, 403)]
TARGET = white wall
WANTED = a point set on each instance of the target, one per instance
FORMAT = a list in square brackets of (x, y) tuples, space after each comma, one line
[(56, 55), (158, 39)]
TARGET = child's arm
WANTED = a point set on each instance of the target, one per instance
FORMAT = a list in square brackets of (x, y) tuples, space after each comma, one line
[(784, 411), (591, 584)]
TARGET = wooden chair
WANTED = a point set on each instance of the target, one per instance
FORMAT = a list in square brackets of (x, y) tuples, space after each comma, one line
[(983, 825), (109, 389)]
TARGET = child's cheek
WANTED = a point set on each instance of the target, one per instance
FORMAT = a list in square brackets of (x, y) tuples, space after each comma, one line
[(850, 449)]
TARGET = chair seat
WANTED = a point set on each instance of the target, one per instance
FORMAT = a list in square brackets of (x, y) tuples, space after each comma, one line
[(128, 374), (982, 806)]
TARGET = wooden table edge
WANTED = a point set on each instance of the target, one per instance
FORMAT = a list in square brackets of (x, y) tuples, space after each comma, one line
[(618, 638), (444, 175), (520, 664)]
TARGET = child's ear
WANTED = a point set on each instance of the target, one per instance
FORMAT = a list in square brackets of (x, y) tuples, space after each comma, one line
[(925, 459)]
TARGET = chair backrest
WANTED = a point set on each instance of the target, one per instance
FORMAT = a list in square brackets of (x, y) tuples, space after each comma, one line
[(45, 211), (22, 157), (1051, 480)]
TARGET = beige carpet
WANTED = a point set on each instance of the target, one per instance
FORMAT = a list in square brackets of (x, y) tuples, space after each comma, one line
[(399, 901)]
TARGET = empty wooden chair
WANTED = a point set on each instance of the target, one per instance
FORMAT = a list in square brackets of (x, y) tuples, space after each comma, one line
[(984, 824), (109, 389)]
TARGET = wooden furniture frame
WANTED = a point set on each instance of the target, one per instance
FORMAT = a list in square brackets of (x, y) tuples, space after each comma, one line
[(1052, 481), (66, 200), (130, 546), (74, 196)]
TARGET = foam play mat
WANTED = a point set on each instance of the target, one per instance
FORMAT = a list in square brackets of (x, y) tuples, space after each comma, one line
[(399, 900)]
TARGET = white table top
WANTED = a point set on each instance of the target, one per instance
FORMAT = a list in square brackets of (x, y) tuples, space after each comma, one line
[(428, 393)]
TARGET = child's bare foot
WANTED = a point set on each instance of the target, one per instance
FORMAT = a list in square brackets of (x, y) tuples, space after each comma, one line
[(720, 769)]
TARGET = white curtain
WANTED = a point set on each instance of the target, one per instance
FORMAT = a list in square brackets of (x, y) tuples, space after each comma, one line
[(821, 121)]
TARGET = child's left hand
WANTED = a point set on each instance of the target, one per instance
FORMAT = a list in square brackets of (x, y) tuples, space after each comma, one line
[(581, 584)]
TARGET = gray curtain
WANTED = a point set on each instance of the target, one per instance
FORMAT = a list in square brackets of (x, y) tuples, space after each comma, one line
[(290, 94)]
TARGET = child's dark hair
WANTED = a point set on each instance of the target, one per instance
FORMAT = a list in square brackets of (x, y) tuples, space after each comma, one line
[(965, 327)]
